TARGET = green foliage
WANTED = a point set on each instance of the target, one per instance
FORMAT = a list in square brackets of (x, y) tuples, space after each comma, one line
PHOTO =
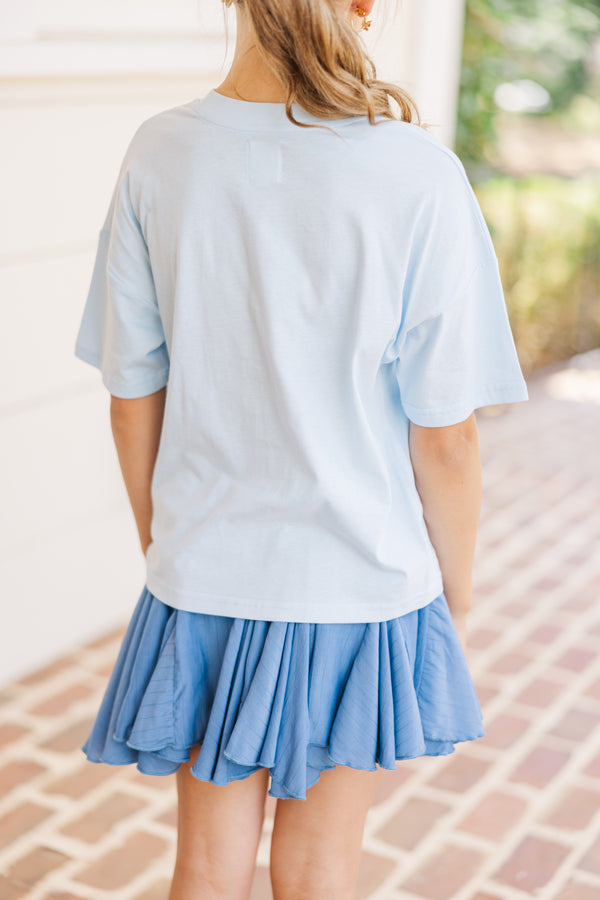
[(545, 229), (546, 232), (484, 66), (547, 41)]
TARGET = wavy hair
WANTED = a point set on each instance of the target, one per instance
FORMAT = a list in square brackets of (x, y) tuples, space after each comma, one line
[(321, 61)]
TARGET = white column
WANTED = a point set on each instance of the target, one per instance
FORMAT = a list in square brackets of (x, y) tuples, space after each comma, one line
[(421, 48), (17, 20)]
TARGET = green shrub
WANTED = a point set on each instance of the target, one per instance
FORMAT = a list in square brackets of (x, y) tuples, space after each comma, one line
[(546, 232)]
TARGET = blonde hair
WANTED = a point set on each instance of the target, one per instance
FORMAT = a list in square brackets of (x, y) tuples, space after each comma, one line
[(321, 61)]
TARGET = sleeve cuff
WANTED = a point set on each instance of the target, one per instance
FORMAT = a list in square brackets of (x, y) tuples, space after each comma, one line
[(438, 417), (118, 387)]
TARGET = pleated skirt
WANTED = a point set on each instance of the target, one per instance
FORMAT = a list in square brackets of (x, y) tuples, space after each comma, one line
[(293, 697)]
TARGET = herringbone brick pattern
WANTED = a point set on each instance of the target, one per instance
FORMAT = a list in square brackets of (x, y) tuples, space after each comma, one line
[(512, 815)]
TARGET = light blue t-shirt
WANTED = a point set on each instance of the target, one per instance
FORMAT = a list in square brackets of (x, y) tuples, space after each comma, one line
[(304, 293)]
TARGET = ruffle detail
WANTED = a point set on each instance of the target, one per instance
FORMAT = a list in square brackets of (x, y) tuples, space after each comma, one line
[(293, 697)]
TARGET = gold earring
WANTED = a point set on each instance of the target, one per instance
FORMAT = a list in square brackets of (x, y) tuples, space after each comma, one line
[(366, 23)]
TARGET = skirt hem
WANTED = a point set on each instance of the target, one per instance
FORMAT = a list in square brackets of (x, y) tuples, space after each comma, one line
[(294, 698), (290, 791)]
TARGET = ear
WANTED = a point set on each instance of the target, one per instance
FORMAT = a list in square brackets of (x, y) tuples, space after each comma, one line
[(367, 5)]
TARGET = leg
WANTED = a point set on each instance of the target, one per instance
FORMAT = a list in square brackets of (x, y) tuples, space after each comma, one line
[(219, 829), (316, 843)]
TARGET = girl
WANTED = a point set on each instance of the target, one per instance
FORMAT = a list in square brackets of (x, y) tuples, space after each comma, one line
[(296, 308)]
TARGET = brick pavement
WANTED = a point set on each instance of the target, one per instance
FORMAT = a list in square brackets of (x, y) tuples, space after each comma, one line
[(514, 814)]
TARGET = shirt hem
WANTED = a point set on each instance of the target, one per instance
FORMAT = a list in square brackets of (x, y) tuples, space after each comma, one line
[(251, 608), (127, 391), (510, 392)]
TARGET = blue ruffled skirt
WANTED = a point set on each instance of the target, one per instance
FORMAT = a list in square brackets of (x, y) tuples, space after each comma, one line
[(293, 697)]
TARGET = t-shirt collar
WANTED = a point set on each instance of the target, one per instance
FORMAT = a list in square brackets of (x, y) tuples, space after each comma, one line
[(257, 115)]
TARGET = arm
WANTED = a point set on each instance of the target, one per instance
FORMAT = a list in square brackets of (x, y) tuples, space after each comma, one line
[(136, 426), (447, 469)]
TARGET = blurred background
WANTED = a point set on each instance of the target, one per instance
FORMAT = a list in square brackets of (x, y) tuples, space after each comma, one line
[(513, 86), (528, 131)]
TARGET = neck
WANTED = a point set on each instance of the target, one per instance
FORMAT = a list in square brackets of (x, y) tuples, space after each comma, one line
[(249, 77), (238, 88)]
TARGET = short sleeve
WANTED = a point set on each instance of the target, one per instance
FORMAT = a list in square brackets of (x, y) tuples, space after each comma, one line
[(454, 351), (121, 331)]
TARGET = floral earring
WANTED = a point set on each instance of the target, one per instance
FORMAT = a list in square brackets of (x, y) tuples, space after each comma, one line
[(366, 23)]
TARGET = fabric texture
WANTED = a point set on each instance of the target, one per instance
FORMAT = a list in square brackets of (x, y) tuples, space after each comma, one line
[(294, 697), (300, 317)]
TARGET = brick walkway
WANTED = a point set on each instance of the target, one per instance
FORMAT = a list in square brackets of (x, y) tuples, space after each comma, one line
[(515, 814)]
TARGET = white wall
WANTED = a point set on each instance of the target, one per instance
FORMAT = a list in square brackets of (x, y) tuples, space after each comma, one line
[(75, 82), (418, 43)]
